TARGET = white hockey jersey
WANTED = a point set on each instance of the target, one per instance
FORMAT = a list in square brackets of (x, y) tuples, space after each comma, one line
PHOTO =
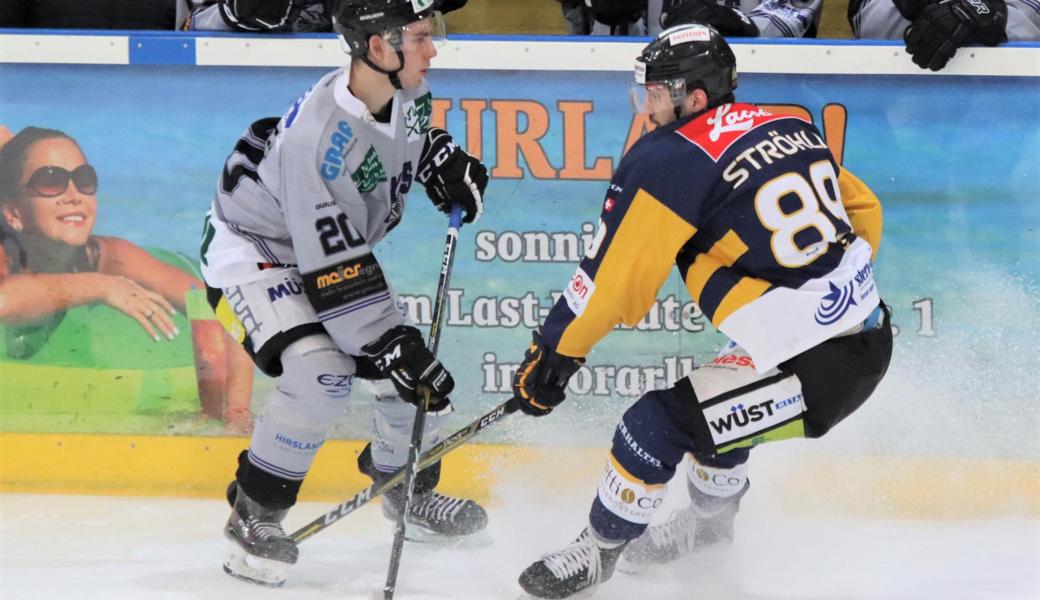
[(316, 190)]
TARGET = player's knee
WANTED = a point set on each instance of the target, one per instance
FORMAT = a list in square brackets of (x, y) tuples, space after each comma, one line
[(649, 440), (317, 378)]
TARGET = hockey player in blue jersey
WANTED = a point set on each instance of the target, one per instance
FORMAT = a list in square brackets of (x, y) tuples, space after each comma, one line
[(774, 241)]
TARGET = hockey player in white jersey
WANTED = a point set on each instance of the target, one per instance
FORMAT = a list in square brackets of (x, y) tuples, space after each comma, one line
[(287, 259)]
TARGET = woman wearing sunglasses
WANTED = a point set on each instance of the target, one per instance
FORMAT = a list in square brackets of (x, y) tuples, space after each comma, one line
[(50, 261)]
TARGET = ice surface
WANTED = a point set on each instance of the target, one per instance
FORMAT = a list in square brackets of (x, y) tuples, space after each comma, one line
[(113, 548)]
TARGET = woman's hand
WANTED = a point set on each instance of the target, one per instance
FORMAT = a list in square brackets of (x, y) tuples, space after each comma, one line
[(148, 308)]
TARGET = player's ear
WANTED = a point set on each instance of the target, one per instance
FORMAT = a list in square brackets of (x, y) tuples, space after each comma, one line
[(697, 100), (376, 46)]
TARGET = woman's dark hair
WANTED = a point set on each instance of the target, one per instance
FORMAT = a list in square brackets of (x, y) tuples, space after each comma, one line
[(14, 153)]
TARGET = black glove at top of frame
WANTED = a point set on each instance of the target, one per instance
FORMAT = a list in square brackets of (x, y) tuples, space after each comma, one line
[(451, 176), (617, 12), (729, 22), (255, 15), (401, 355), (540, 383), (933, 37)]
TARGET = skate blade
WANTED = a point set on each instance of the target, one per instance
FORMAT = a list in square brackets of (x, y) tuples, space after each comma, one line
[(585, 593), (261, 571), (421, 535)]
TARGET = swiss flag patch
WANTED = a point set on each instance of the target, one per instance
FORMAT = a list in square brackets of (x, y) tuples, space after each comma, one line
[(718, 129)]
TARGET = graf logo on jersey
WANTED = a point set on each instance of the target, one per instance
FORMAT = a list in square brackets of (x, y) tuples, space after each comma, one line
[(339, 146), (370, 173), (716, 131), (579, 291), (417, 117)]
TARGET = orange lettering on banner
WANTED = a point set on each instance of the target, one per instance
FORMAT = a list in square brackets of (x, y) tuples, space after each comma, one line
[(511, 142), (440, 113), (474, 110), (834, 118), (574, 144), (794, 110), (835, 121), (641, 124)]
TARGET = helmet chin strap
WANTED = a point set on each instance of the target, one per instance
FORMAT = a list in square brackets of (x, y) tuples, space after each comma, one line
[(391, 74)]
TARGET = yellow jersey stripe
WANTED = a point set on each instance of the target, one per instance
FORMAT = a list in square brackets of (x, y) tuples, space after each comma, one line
[(634, 267), (747, 290), (630, 477), (863, 208), (723, 253)]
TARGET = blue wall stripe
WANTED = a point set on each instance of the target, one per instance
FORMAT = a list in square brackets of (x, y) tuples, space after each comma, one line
[(161, 50)]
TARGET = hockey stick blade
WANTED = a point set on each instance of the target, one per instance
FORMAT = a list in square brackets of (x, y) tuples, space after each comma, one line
[(428, 458)]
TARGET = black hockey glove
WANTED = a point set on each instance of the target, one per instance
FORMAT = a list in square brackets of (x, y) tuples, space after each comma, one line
[(729, 22), (540, 384), (401, 355), (911, 9), (255, 15), (933, 38), (451, 176), (617, 12)]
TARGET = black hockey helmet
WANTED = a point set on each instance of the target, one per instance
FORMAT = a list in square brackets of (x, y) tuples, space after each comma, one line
[(688, 57), (356, 20)]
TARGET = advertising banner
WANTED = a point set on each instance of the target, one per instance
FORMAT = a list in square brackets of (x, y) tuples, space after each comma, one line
[(955, 161)]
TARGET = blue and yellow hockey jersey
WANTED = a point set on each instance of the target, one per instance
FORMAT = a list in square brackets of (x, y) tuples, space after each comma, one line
[(773, 239)]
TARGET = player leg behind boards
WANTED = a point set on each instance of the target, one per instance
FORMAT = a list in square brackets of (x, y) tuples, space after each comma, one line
[(807, 395)]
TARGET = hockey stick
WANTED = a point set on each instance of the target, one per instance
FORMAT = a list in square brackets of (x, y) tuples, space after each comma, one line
[(429, 457), (412, 466)]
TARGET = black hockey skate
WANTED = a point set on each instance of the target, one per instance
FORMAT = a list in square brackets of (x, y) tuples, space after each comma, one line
[(575, 571), (259, 550), (686, 532), (432, 516)]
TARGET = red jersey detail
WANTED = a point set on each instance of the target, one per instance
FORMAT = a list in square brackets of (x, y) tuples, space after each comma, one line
[(719, 128), (608, 205)]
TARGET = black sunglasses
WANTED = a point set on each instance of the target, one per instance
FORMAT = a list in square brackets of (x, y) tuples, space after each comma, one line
[(49, 182)]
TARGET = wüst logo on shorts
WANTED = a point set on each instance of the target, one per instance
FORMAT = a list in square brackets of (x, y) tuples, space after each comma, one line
[(835, 304)]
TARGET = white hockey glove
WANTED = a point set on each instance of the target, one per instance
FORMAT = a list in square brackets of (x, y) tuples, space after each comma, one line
[(451, 176)]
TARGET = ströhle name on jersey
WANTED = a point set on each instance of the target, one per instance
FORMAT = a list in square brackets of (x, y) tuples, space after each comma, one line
[(719, 128)]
